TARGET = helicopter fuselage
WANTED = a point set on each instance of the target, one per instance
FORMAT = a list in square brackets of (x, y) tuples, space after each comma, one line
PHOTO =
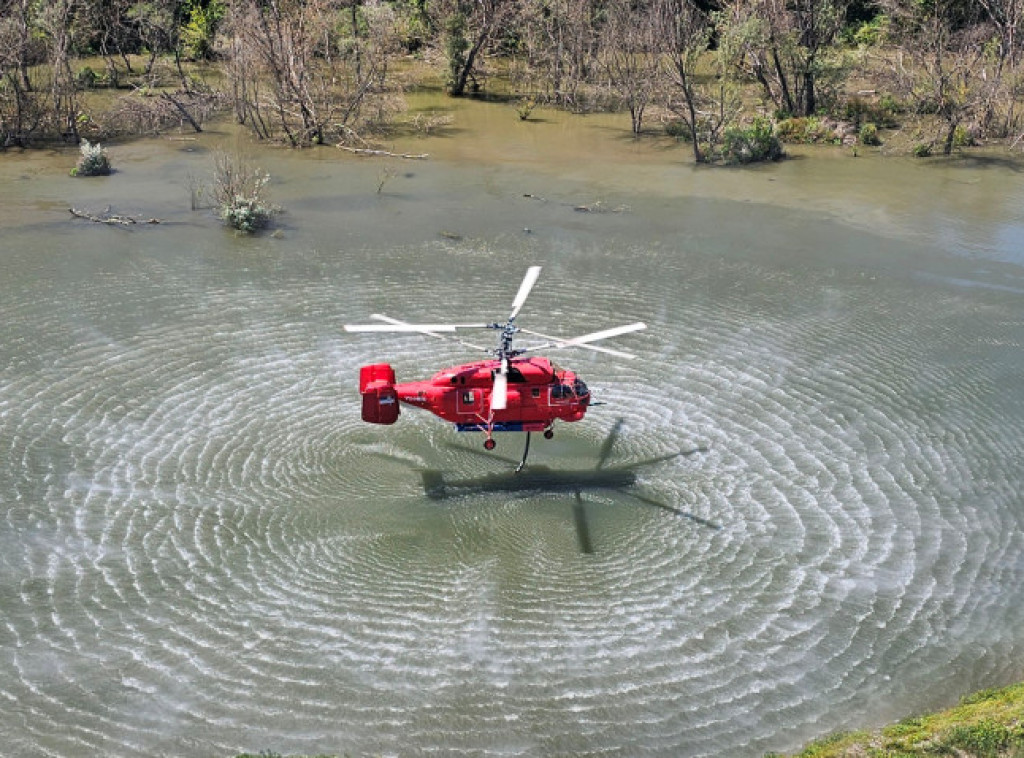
[(539, 393)]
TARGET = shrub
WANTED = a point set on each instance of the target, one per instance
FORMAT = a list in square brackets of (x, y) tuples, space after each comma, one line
[(87, 78), (962, 137), (678, 129), (869, 135), (94, 161), (882, 113), (751, 144), (808, 130), (239, 190), (871, 33), (922, 149), (986, 739), (525, 106)]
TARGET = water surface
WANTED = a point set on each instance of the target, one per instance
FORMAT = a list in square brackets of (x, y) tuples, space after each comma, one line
[(203, 550)]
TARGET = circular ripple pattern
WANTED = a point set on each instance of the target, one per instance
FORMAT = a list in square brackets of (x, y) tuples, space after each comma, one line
[(203, 550)]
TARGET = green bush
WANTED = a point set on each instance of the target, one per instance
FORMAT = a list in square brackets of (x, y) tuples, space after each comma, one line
[(869, 135), (807, 130), (962, 137), (870, 33), (986, 739), (87, 78), (678, 129), (882, 113), (922, 149), (200, 30), (751, 144), (93, 162)]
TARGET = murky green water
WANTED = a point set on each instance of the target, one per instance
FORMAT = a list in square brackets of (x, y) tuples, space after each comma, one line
[(203, 550)]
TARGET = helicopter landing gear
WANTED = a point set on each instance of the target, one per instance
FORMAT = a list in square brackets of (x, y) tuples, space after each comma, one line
[(549, 433), (489, 444)]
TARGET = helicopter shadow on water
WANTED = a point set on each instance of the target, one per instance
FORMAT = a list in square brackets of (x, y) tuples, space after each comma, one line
[(534, 479)]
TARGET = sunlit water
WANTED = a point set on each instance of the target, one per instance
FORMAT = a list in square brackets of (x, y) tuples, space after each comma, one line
[(203, 550)]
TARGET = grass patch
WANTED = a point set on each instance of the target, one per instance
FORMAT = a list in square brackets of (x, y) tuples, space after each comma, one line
[(986, 724)]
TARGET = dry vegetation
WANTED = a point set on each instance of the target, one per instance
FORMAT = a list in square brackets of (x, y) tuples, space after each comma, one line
[(921, 76)]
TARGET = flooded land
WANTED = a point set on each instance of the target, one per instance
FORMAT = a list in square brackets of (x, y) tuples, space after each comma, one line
[(203, 550)]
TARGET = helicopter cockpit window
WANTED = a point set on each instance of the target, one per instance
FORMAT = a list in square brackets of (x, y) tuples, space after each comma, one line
[(561, 392), (580, 387)]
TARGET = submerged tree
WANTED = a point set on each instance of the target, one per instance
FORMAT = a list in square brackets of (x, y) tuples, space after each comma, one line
[(560, 39), (469, 26), (239, 190), (629, 57), (21, 112), (686, 32), (951, 71), (291, 76), (56, 21), (782, 44)]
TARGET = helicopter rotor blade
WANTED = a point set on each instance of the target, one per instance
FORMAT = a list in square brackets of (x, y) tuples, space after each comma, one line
[(524, 290), (394, 325), (585, 340), (430, 333), (421, 328), (499, 392), (605, 334)]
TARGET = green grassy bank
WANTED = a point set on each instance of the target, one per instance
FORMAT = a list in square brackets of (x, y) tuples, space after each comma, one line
[(987, 724)]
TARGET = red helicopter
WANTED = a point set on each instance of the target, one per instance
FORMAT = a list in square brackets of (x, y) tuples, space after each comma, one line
[(508, 393)]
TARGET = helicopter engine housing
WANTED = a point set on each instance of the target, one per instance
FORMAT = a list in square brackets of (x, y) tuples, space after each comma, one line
[(380, 400)]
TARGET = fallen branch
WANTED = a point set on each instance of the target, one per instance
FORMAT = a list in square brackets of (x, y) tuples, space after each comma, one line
[(385, 153), (181, 110), (110, 218)]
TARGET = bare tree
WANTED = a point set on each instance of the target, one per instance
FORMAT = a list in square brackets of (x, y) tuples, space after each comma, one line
[(947, 73), (782, 44), (469, 26), (1008, 18), (293, 76), (20, 109), (629, 56), (56, 22), (560, 40), (686, 31)]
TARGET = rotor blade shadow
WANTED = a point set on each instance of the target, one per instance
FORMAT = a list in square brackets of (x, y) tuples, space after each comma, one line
[(531, 480), (582, 528), (667, 457), (673, 510), (609, 442)]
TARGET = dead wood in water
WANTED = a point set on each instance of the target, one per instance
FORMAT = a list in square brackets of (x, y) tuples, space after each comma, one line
[(385, 153), (111, 218)]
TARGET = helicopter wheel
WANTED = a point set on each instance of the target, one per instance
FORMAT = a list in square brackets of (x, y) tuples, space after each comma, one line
[(549, 433), (489, 444)]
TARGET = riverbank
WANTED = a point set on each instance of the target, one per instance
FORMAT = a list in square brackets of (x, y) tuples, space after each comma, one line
[(986, 724), (864, 119)]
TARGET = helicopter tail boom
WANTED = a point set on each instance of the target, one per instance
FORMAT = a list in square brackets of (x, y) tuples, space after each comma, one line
[(380, 400)]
